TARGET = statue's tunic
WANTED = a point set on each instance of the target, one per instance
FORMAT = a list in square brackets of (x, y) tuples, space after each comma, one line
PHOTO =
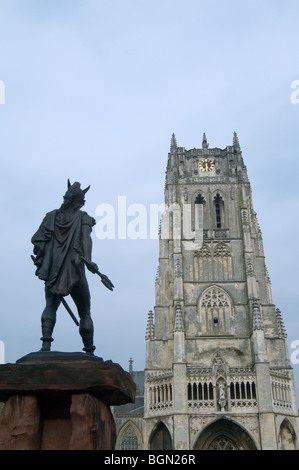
[(58, 249)]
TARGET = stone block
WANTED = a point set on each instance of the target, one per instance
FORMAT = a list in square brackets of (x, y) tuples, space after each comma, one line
[(61, 401), (20, 423)]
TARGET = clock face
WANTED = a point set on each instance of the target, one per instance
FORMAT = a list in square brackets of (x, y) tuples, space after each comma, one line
[(206, 165)]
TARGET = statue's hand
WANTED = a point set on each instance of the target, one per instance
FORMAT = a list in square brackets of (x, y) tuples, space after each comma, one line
[(92, 267)]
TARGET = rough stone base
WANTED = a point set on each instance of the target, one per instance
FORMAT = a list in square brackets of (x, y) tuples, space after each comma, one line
[(28, 424), (20, 424), (60, 401)]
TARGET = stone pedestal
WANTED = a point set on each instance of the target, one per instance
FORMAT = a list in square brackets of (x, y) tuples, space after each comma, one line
[(61, 401)]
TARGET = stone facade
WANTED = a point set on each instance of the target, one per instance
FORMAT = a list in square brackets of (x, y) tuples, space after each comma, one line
[(217, 372)]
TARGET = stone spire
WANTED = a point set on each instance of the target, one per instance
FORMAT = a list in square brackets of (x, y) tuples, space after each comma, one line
[(236, 144), (205, 144), (131, 366), (173, 144)]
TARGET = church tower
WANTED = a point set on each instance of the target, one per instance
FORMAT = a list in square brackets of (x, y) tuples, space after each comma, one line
[(217, 373)]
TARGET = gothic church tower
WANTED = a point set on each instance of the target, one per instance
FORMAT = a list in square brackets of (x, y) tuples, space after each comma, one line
[(217, 372)]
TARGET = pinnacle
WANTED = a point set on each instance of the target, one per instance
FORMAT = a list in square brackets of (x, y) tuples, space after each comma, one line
[(257, 317), (205, 144), (173, 145), (150, 329), (179, 322), (236, 142)]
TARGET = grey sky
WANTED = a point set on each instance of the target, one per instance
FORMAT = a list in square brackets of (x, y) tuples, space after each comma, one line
[(93, 91)]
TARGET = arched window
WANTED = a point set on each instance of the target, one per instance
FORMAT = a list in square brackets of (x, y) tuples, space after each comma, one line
[(223, 434), (219, 211), (129, 440), (215, 312), (287, 436)]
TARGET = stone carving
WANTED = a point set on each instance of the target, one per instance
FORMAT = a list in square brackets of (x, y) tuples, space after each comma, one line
[(178, 268), (204, 252), (219, 366), (214, 249), (221, 249), (221, 396), (249, 267), (199, 422)]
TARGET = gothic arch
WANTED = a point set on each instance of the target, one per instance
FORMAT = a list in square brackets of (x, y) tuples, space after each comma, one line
[(160, 438), (201, 193), (215, 312), (224, 434), (287, 439), (129, 437), (220, 192)]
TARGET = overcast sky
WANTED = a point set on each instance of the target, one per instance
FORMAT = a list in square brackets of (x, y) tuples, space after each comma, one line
[(93, 90)]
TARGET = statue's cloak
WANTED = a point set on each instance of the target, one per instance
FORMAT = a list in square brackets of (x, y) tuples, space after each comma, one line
[(58, 249)]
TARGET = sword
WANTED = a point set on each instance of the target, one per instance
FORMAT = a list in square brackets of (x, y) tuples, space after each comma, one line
[(64, 303), (66, 306)]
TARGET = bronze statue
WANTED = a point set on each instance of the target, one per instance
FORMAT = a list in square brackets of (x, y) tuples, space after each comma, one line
[(62, 246)]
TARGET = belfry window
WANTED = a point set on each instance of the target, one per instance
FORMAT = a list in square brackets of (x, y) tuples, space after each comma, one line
[(215, 312), (219, 208)]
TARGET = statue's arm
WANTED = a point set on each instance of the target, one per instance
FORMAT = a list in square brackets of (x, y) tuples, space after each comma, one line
[(87, 248), (86, 242)]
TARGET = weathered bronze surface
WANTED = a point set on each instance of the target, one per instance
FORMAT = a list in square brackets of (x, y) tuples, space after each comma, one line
[(62, 249)]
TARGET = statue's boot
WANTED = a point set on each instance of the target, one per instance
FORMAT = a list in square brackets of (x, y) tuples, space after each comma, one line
[(47, 330), (48, 320), (46, 346), (86, 332)]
